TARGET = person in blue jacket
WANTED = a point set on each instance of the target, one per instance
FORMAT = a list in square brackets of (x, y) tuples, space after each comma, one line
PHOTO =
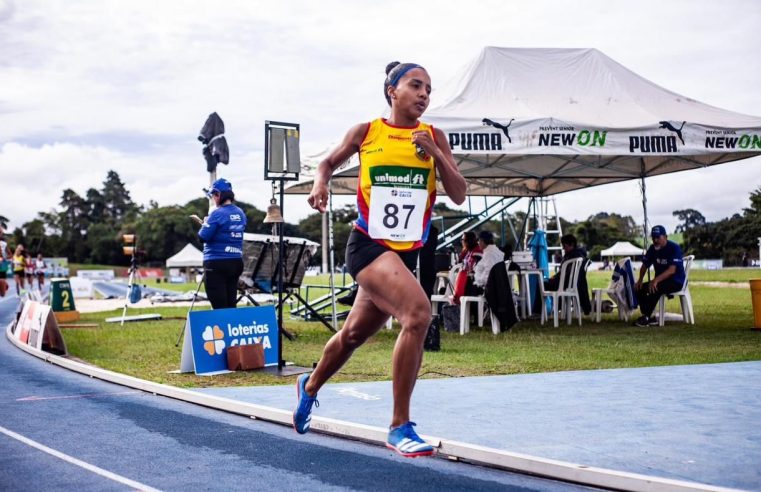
[(222, 235), (666, 258)]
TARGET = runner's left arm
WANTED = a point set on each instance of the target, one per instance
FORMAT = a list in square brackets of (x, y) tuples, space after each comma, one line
[(454, 183)]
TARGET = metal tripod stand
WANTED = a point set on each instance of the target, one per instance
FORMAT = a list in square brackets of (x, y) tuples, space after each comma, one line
[(192, 304)]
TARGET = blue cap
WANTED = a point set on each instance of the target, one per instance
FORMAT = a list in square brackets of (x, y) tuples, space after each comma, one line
[(219, 185), (657, 231)]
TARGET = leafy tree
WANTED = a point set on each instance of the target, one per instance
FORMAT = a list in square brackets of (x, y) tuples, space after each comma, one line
[(603, 229), (729, 238), (688, 219), (163, 231), (755, 204), (73, 222), (96, 205), (105, 244), (34, 235), (4, 221), (118, 204), (17, 238)]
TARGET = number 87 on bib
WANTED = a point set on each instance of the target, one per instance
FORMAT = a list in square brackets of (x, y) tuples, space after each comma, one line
[(398, 198)]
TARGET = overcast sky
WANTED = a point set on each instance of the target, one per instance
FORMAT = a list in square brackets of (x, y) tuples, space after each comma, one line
[(86, 87)]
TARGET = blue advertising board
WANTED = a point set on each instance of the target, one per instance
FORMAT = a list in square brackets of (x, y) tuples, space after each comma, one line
[(212, 332)]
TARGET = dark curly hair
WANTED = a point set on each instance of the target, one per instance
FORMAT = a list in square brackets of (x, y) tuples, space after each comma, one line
[(394, 72)]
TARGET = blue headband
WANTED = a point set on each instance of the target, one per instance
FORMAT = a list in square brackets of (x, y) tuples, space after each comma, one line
[(401, 73)]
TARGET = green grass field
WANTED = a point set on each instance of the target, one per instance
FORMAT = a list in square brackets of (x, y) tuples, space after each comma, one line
[(722, 334)]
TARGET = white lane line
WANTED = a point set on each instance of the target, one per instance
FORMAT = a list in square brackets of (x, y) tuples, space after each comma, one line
[(74, 461), (73, 397)]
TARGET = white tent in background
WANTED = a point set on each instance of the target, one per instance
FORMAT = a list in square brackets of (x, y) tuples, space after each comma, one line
[(537, 122), (189, 256), (534, 122), (623, 248)]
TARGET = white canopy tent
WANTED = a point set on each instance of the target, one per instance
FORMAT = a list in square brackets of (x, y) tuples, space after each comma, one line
[(537, 122), (528, 122), (623, 248), (189, 256)]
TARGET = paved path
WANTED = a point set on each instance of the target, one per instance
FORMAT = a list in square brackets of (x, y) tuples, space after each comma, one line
[(134, 440), (697, 423)]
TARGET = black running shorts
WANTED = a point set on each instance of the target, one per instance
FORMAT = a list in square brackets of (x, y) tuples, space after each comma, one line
[(361, 251)]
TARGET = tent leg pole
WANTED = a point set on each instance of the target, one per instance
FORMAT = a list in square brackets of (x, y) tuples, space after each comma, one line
[(332, 259), (643, 189)]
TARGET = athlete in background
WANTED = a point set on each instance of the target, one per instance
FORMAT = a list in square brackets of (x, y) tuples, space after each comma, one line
[(19, 264), (5, 263)]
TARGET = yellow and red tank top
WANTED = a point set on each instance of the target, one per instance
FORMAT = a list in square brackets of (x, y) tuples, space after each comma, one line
[(397, 186)]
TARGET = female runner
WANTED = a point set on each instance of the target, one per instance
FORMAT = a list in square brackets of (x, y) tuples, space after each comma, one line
[(400, 158)]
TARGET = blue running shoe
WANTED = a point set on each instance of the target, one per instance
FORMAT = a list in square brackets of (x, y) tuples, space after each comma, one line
[(302, 416), (405, 441)]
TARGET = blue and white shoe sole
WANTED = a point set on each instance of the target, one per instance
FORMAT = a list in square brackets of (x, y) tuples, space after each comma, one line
[(412, 449)]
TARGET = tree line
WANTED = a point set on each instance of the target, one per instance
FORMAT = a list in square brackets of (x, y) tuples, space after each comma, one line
[(89, 228), (731, 239)]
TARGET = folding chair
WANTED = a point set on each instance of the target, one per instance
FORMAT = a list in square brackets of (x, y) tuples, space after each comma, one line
[(685, 299), (568, 289), (620, 291), (465, 312)]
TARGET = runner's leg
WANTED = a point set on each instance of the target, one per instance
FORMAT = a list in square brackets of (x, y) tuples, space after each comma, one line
[(364, 320), (394, 290)]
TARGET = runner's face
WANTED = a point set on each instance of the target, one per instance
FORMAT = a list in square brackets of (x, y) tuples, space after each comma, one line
[(412, 92), (659, 241)]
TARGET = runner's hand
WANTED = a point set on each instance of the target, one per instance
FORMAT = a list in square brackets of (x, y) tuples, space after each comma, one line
[(423, 139), (318, 198)]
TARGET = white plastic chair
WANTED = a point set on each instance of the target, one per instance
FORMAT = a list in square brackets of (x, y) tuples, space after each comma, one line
[(465, 312), (568, 288), (685, 299), (623, 312), (482, 308), (617, 295), (448, 290)]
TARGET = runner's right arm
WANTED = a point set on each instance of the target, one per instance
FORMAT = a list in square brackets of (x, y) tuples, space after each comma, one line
[(318, 198)]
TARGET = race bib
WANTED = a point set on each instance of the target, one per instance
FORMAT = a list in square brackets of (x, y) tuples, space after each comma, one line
[(398, 198)]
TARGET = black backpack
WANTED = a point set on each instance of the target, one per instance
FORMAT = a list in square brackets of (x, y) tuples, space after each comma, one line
[(433, 337)]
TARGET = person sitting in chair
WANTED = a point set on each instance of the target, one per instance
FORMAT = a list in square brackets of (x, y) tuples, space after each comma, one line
[(471, 252), (491, 256), (572, 250), (666, 258)]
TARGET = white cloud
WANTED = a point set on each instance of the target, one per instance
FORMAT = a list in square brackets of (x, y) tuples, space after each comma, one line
[(93, 86)]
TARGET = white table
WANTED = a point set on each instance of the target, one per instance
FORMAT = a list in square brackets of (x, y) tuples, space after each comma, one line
[(525, 275)]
